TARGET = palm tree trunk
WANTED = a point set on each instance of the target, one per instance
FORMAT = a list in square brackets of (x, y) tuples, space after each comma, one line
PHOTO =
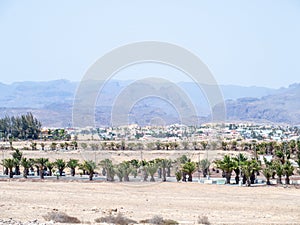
[(25, 172), (11, 174), (6, 171), (126, 178), (248, 182), (287, 179), (228, 177), (152, 178), (164, 174), (237, 179), (41, 173), (72, 172), (169, 172), (91, 175), (190, 179), (159, 172)]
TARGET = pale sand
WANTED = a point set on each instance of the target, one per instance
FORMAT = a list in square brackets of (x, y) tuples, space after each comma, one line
[(183, 202)]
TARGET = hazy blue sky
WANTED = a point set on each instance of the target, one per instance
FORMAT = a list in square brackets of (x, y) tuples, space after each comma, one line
[(243, 42)]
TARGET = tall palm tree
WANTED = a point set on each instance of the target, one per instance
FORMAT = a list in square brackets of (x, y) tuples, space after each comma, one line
[(278, 167), (53, 146), (126, 168), (163, 164), (109, 168), (90, 167), (189, 168), (204, 166), (249, 168), (26, 164), (9, 163), (226, 165), (152, 169), (119, 172), (17, 156), (60, 165), (72, 164), (238, 160), (41, 164), (43, 146), (50, 166), (288, 170)]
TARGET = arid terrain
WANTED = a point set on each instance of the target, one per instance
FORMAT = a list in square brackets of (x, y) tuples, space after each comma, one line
[(183, 202), (31, 199)]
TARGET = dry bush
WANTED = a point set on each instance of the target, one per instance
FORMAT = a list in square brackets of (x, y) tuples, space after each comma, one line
[(60, 217), (119, 219), (159, 221), (203, 220)]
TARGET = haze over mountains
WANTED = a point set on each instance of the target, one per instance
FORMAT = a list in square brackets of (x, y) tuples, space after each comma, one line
[(52, 103)]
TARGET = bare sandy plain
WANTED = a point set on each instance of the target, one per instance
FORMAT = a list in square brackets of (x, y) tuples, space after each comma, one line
[(184, 202), (26, 200)]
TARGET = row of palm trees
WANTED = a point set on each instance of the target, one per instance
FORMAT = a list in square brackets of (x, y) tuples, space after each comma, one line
[(263, 148), (183, 167), (279, 166)]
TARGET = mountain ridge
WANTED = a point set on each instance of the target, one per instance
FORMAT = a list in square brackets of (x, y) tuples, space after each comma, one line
[(51, 102)]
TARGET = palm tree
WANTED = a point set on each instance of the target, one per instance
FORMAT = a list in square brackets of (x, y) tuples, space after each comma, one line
[(60, 165), (268, 171), (109, 168), (126, 168), (33, 145), (53, 146), (143, 169), (67, 145), (50, 166), (226, 165), (204, 166), (204, 144), (158, 145), (135, 165), (41, 164), (152, 169), (195, 145), (26, 164), (17, 155), (43, 146), (9, 163), (119, 172), (168, 167), (249, 168), (62, 145), (278, 167), (163, 163), (72, 164), (189, 168), (90, 167), (238, 160), (167, 145), (288, 170)]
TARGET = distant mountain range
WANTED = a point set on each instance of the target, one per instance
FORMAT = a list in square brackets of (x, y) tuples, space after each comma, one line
[(52, 103)]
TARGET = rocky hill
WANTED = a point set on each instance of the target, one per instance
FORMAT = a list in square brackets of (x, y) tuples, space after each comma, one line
[(52, 103), (281, 107)]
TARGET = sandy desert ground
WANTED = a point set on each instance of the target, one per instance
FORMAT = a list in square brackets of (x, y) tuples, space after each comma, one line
[(183, 202)]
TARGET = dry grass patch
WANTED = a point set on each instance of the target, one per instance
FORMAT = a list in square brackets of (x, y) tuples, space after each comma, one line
[(118, 219), (203, 220), (60, 217), (159, 221)]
